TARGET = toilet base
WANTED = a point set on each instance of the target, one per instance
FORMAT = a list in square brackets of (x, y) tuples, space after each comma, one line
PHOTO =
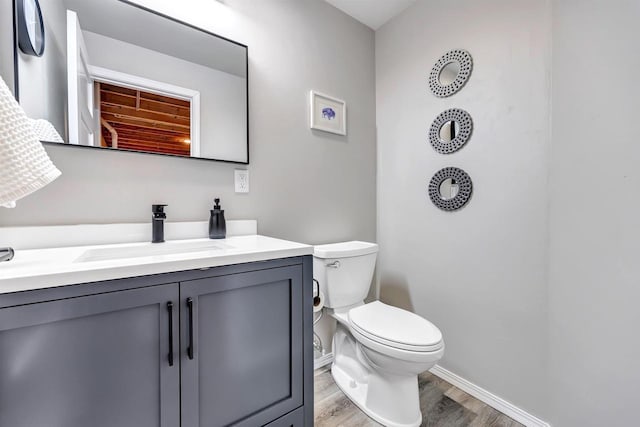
[(358, 393)]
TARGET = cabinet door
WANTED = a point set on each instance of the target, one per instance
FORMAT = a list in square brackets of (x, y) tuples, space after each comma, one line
[(292, 419), (242, 347), (99, 361)]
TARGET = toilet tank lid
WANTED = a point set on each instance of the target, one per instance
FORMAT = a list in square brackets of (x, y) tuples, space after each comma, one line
[(344, 249)]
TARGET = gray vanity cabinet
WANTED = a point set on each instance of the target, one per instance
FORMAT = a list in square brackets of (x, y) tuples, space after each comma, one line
[(223, 346), (99, 361), (242, 359), (292, 419)]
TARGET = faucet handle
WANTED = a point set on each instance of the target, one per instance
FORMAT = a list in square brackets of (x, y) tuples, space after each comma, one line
[(158, 211)]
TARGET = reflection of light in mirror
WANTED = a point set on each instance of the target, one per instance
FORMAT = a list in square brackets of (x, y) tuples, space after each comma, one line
[(449, 189), (449, 73), (449, 131), (187, 141), (214, 16)]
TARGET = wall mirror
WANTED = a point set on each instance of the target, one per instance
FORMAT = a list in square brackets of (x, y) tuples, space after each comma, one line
[(450, 131), (450, 189), (450, 73), (117, 76)]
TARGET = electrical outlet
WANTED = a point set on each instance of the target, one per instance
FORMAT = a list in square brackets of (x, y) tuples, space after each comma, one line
[(242, 180)]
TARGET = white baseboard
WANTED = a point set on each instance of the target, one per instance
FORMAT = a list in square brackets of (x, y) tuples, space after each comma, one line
[(489, 398), (322, 361)]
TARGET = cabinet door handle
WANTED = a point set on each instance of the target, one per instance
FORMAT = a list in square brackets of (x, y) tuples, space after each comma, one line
[(190, 348), (170, 310)]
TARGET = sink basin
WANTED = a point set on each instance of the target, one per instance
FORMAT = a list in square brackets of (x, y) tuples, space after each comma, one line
[(150, 249)]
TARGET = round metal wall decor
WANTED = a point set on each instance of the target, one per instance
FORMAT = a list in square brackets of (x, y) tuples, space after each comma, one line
[(450, 130), (450, 188), (450, 73)]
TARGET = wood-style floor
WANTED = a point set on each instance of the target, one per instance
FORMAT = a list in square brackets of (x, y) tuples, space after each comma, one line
[(442, 404)]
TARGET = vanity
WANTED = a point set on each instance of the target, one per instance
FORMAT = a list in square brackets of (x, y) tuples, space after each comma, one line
[(187, 333), (190, 332)]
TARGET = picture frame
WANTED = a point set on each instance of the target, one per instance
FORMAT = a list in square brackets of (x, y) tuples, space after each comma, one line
[(327, 113)]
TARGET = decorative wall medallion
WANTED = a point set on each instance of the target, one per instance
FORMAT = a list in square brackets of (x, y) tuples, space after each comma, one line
[(450, 189), (450, 73), (450, 131)]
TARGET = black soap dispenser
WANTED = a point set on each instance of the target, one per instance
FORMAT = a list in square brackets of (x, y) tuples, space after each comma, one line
[(217, 224)]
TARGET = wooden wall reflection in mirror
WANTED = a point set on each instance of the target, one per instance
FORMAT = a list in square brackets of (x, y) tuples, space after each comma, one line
[(118, 76)]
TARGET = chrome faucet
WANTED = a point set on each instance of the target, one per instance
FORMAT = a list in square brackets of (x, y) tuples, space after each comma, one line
[(6, 254), (157, 221)]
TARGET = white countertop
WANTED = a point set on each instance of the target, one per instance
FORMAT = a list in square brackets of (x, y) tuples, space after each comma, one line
[(46, 268)]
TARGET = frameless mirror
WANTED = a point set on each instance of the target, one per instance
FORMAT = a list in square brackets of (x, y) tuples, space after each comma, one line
[(449, 131), (119, 77), (449, 189), (449, 73)]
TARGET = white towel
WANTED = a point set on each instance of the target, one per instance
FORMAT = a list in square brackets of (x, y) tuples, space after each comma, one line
[(45, 131), (24, 165)]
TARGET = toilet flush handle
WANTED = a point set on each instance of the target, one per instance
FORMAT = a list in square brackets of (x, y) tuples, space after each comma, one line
[(334, 264)]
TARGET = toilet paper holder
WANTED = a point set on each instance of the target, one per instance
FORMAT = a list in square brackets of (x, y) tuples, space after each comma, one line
[(318, 304), (316, 293)]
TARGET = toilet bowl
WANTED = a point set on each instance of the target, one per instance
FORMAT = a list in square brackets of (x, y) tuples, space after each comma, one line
[(379, 350)]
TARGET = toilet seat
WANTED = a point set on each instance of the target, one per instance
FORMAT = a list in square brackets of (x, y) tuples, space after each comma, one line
[(396, 328)]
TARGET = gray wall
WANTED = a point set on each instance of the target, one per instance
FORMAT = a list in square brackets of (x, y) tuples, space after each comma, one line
[(305, 185), (595, 226), (479, 274)]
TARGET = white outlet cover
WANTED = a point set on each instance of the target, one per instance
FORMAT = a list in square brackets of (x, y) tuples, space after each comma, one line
[(241, 180)]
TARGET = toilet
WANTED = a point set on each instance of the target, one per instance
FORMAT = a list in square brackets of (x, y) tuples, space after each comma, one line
[(378, 349)]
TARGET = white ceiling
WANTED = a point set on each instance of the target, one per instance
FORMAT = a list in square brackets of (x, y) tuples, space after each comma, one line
[(373, 13)]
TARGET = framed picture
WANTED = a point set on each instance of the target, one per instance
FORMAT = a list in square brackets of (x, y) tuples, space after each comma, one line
[(328, 114)]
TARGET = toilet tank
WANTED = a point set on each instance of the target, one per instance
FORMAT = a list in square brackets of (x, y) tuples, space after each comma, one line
[(344, 271)]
